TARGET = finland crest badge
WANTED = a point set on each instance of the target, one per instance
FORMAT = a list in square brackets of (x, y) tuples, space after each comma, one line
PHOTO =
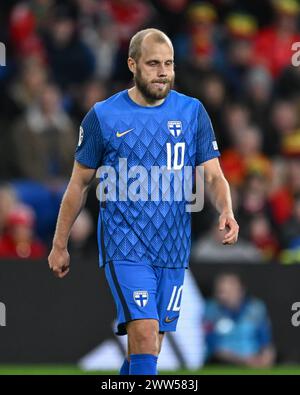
[(175, 128), (140, 298)]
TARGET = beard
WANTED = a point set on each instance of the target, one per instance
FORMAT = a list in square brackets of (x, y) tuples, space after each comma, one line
[(150, 92)]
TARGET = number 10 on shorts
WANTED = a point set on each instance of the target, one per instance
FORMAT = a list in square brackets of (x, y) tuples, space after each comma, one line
[(175, 299)]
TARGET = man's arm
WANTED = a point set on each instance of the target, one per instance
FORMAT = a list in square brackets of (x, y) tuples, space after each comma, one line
[(72, 203), (264, 359), (220, 195)]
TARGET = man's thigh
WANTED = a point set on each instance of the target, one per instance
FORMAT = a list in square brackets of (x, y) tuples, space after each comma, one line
[(134, 289)]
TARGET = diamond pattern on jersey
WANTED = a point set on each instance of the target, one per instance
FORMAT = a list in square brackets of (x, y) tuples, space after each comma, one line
[(157, 232)]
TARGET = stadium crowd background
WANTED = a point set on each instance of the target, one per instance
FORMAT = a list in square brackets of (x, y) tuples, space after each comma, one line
[(235, 56)]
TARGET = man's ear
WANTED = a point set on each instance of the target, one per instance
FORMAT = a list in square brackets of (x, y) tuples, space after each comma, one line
[(131, 65)]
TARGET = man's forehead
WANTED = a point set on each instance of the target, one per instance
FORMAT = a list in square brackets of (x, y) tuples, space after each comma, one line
[(156, 50)]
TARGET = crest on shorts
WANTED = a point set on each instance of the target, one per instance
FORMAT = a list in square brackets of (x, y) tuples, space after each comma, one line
[(175, 128), (141, 298)]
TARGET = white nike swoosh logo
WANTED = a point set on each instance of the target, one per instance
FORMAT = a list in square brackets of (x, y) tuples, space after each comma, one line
[(118, 134)]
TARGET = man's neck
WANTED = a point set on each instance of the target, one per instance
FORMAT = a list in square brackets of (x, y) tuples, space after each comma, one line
[(136, 96)]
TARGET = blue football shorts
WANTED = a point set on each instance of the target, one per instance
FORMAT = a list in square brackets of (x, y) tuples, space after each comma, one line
[(144, 291)]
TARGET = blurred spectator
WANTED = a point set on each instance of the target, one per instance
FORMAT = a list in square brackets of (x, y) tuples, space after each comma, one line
[(263, 238), (199, 50), (202, 18), (285, 123), (273, 44), (90, 93), (45, 139), (238, 58), (290, 235), (127, 16), (245, 156), (26, 42), (31, 83), (237, 326), (213, 96), (8, 200), (209, 249), (71, 61), (18, 241), (258, 89), (235, 117), (101, 37), (282, 197), (15, 99), (254, 201)]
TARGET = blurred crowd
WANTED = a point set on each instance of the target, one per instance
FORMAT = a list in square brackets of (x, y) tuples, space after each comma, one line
[(237, 326), (235, 56)]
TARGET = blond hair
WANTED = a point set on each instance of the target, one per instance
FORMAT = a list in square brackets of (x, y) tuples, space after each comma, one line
[(136, 41)]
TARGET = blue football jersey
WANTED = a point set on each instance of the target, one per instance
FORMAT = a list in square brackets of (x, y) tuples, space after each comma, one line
[(172, 135)]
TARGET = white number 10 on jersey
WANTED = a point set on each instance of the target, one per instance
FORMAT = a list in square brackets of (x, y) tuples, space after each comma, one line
[(178, 162)]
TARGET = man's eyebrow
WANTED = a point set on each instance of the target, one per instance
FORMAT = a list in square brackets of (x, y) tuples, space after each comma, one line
[(158, 61)]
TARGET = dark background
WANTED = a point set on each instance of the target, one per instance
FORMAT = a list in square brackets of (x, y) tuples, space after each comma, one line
[(59, 321)]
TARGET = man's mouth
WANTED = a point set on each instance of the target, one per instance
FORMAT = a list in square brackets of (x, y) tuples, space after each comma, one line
[(160, 84)]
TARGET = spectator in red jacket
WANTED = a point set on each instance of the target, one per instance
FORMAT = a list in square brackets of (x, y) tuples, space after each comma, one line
[(19, 240), (273, 44)]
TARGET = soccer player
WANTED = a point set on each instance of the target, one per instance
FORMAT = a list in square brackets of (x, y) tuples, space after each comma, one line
[(144, 245)]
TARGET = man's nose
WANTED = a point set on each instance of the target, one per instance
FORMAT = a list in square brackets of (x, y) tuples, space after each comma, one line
[(162, 72)]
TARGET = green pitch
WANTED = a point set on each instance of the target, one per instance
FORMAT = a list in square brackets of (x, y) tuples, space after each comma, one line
[(208, 370)]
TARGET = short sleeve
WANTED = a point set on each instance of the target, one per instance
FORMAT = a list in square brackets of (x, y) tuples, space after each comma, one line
[(89, 151), (207, 147)]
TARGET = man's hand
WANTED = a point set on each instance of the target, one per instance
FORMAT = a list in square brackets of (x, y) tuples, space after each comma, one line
[(219, 192), (227, 221), (71, 205), (59, 261)]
